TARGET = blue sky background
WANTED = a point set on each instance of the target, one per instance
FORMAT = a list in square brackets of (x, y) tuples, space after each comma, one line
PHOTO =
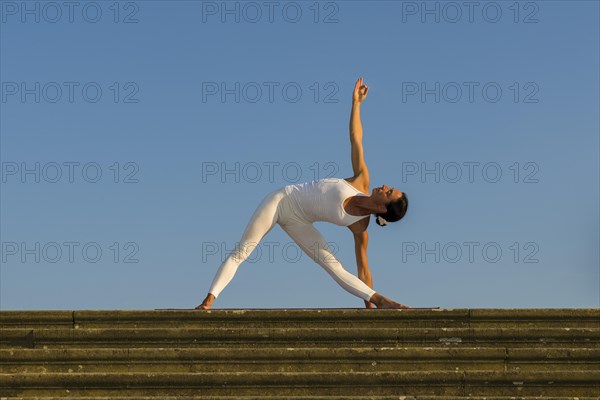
[(165, 129)]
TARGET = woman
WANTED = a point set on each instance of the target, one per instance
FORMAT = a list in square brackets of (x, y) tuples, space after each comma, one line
[(343, 202)]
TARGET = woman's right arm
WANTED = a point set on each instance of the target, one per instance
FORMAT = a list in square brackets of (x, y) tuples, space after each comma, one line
[(361, 242)]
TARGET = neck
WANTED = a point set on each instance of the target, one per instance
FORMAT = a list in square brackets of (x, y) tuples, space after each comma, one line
[(366, 205)]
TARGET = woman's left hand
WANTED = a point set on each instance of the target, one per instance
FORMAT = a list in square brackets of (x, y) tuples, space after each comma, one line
[(360, 91)]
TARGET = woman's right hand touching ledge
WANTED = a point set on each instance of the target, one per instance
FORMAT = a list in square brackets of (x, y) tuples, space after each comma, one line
[(360, 92)]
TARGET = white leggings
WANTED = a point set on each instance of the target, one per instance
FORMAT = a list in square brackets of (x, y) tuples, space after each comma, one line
[(278, 208)]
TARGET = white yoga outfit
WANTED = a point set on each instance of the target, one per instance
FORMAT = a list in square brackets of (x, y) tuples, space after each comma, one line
[(295, 208)]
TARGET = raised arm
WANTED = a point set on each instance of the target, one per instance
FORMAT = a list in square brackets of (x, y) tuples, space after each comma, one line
[(361, 172), (361, 241)]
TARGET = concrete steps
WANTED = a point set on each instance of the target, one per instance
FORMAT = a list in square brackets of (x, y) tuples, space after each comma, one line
[(295, 359), (440, 354), (333, 397)]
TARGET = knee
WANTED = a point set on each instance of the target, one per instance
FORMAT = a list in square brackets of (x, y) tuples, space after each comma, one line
[(242, 251)]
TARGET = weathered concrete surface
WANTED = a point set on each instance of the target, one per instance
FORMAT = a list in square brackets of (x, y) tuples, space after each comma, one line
[(308, 397), (310, 353), (359, 359)]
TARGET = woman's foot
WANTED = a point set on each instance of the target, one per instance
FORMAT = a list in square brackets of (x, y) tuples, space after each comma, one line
[(393, 304), (383, 302), (207, 303)]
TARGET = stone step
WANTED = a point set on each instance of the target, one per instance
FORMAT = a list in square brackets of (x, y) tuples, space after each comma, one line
[(296, 359), (438, 354), (308, 397), (463, 383), (217, 336), (290, 318)]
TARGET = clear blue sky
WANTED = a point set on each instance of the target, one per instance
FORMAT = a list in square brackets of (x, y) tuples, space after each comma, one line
[(487, 118)]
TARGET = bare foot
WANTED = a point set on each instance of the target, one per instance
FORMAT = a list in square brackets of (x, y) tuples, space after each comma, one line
[(207, 303), (384, 302), (393, 304)]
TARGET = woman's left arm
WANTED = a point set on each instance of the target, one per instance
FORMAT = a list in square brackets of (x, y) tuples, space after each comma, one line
[(359, 167), (361, 241)]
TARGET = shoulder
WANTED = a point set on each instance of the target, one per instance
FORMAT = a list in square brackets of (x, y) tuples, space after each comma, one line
[(359, 228), (359, 184)]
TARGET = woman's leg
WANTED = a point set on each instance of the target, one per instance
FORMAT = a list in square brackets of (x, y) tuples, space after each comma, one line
[(310, 240), (262, 221)]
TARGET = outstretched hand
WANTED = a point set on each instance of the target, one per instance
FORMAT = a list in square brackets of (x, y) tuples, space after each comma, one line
[(360, 91)]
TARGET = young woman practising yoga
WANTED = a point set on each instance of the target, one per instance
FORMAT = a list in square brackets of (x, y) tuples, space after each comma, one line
[(343, 202)]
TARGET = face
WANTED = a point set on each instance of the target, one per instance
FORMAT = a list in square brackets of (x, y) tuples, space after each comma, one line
[(385, 194)]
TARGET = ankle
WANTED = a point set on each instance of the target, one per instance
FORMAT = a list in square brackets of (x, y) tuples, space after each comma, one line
[(376, 299), (210, 297)]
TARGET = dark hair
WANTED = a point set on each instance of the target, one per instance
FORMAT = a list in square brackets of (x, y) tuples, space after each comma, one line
[(395, 210)]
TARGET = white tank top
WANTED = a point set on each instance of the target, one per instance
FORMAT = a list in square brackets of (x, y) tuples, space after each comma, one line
[(323, 200)]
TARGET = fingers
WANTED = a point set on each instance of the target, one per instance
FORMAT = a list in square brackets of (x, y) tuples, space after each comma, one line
[(364, 89), (361, 88), (357, 84)]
